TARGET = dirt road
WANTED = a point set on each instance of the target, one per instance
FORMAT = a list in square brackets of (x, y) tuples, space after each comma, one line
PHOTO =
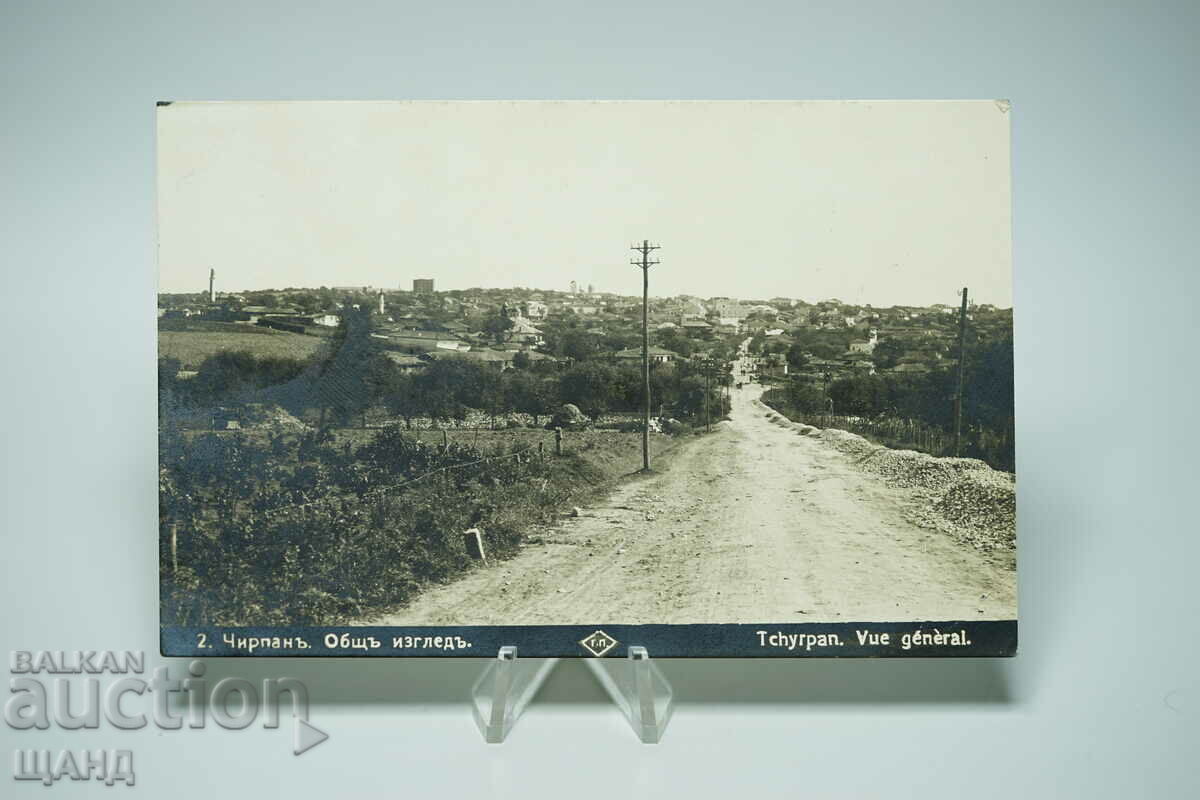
[(753, 523)]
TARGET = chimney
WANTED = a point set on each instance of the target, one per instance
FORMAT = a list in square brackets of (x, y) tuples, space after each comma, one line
[(212, 292)]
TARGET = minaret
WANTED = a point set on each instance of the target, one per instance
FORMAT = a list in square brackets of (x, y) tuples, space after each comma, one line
[(381, 304), (212, 292)]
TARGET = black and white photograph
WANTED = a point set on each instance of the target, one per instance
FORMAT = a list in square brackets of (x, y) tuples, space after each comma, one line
[(725, 369)]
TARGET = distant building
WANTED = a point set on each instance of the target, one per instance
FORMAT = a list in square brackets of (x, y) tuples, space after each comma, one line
[(422, 286), (774, 364), (657, 355), (535, 309), (523, 330), (406, 363)]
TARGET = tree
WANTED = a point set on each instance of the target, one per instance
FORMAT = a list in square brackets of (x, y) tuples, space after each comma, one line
[(691, 395), (497, 326), (860, 394), (805, 398), (402, 397), (231, 373), (676, 341), (571, 342), (757, 341), (590, 386), (529, 393), (797, 357), (888, 353)]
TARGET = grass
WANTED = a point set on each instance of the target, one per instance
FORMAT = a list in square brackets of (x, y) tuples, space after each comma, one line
[(192, 346), (604, 455)]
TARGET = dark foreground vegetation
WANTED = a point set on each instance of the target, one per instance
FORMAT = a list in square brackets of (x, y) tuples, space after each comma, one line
[(916, 412), (272, 527)]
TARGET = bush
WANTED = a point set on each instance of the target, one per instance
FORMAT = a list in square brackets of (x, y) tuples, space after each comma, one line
[(295, 530)]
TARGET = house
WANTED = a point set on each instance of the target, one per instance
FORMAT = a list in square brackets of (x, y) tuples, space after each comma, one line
[(695, 325), (417, 342), (910, 368), (406, 363), (773, 364), (656, 355), (523, 330), (729, 309), (535, 310), (684, 307), (498, 360), (326, 320)]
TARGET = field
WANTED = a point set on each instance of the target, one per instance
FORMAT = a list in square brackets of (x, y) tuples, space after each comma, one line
[(198, 341)]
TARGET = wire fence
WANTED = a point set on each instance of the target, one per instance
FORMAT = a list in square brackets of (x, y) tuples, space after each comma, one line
[(383, 490), (994, 447)]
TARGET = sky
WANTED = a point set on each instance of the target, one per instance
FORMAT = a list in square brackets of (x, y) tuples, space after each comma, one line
[(880, 203)]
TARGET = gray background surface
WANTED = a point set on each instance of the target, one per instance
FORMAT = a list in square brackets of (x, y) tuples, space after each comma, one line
[(1104, 698)]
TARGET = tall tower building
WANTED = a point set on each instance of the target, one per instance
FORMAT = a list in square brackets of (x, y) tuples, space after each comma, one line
[(382, 306), (212, 289)]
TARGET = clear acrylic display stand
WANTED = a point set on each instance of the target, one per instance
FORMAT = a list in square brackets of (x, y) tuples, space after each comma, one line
[(634, 683)]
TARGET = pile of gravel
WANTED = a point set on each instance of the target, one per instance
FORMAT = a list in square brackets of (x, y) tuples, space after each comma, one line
[(962, 497), (979, 510), (912, 470), (851, 444), (986, 503)]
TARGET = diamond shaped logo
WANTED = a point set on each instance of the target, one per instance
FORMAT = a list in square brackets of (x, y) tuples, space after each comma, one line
[(598, 643)]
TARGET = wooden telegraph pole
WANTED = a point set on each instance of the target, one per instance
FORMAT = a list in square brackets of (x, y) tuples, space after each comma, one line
[(962, 366), (645, 248)]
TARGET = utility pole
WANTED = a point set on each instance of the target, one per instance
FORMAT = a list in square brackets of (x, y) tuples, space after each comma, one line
[(962, 366), (645, 248)]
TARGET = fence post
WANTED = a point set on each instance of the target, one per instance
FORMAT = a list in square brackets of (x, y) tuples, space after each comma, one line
[(558, 437)]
